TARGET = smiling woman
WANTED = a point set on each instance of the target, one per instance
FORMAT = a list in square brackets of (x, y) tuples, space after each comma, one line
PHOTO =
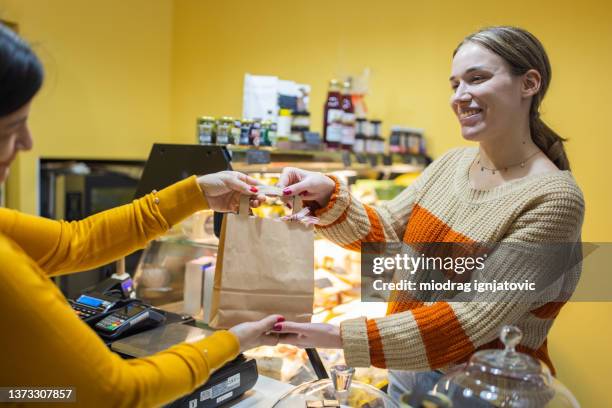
[(514, 187), (498, 65)]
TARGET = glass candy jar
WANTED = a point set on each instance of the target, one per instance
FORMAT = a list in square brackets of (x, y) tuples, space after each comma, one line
[(504, 378)]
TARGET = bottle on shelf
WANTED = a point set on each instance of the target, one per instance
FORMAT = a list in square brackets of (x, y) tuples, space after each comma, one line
[(332, 116), (283, 130), (223, 130), (272, 133), (265, 133), (300, 124), (255, 135), (370, 141), (235, 131), (378, 140), (395, 139), (360, 139), (206, 130), (245, 132), (348, 118)]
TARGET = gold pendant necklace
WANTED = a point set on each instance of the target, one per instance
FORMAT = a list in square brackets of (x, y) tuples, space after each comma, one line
[(505, 168)]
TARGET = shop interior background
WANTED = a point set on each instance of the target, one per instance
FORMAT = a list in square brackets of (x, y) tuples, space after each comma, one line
[(124, 74)]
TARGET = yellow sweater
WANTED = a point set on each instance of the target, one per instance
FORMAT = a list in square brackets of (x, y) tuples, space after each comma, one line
[(44, 343)]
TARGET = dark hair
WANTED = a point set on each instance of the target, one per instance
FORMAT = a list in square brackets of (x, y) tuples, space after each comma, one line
[(522, 51), (21, 73)]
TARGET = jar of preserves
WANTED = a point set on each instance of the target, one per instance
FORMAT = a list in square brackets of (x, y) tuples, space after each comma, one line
[(206, 130), (332, 116), (235, 131), (223, 130), (245, 132), (255, 135)]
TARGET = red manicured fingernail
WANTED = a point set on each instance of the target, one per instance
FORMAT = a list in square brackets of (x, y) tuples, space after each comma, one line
[(277, 327), (280, 320), (254, 189), (303, 193), (287, 191)]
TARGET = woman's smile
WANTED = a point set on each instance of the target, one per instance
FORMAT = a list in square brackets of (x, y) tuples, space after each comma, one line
[(470, 116)]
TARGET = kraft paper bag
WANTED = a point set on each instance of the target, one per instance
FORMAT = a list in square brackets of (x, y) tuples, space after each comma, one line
[(264, 266)]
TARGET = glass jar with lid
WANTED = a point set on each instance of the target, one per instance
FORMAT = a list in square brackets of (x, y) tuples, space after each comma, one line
[(338, 391), (504, 378), (224, 126), (206, 130)]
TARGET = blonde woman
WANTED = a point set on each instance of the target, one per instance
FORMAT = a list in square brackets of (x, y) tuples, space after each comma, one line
[(515, 186)]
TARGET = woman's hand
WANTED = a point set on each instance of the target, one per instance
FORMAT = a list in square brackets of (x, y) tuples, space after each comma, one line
[(223, 190), (310, 185), (309, 335), (254, 334)]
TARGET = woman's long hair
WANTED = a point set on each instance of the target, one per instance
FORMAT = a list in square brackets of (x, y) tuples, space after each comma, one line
[(522, 51), (21, 73)]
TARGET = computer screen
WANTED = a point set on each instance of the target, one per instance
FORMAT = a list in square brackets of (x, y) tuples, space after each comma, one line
[(169, 163)]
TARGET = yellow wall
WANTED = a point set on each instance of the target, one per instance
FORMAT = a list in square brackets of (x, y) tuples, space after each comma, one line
[(408, 46), (123, 74), (107, 85)]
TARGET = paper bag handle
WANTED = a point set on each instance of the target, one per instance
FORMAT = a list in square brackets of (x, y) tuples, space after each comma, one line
[(243, 208)]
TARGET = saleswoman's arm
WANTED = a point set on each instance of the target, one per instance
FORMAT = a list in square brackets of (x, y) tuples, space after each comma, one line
[(61, 247), (44, 343)]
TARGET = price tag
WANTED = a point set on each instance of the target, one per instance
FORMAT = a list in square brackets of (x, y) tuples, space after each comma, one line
[(312, 138), (346, 159), (373, 160), (256, 156)]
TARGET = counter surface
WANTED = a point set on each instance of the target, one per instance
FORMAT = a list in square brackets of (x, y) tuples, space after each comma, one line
[(263, 395)]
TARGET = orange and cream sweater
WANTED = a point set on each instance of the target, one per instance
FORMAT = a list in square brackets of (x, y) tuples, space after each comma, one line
[(442, 206)]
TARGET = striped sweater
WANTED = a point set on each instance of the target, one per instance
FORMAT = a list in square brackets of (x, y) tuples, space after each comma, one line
[(442, 206)]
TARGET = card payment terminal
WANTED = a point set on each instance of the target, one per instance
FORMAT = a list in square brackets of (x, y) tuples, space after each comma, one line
[(93, 306), (131, 317)]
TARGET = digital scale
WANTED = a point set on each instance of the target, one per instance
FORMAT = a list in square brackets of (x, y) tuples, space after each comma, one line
[(225, 384)]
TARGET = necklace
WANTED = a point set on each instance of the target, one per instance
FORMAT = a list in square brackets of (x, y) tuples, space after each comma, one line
[(505, 168)]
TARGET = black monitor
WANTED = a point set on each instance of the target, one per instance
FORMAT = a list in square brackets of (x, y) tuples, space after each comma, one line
[(170, 163)]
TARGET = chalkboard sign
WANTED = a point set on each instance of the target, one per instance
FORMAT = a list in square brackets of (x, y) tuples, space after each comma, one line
[(255, 156)]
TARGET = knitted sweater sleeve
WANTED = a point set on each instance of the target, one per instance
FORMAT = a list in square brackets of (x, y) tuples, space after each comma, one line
[(435, 335), (348, 222)]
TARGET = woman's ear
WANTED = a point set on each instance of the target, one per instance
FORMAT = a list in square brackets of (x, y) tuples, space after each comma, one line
[(532, 80)]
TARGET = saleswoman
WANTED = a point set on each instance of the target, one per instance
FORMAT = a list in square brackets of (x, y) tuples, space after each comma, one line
[(514, 187), (43, 342)]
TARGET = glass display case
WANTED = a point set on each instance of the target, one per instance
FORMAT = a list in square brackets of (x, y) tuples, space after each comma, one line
[(161, 274), (338, 391)]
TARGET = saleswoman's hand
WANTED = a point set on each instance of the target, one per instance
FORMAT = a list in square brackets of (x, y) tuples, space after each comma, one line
[(223, 190), (259, 333), (310, 185), (309, 335)]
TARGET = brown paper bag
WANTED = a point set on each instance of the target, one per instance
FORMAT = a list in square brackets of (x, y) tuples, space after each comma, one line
[(264, 266)]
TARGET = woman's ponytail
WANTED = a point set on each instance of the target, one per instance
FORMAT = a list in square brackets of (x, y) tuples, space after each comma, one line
[(548, 141)]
